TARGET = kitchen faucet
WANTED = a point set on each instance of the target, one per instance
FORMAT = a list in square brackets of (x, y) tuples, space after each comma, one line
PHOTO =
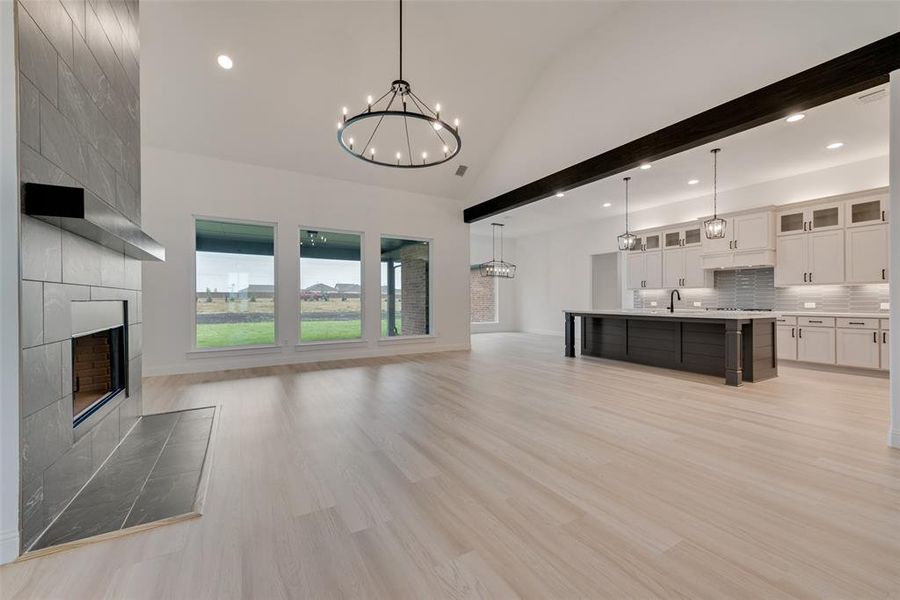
[(672, 300)]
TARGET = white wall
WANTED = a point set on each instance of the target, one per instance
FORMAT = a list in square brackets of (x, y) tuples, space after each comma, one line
[(555, 266), (177, 186), (894, 431), (654, 63), (479, 252), (9, 292)]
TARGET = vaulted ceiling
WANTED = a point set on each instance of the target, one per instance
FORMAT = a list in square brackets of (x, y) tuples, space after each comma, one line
[(297, 63)]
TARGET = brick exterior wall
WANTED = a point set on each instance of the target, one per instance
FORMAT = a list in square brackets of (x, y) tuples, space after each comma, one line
[(414, 290), (483, 297), (79, 125)]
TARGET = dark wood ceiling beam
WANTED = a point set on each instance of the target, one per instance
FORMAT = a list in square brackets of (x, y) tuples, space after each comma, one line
[(847, 74)]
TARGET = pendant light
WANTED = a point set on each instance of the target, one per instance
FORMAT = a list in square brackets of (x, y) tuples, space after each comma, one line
[(401, 119), (627, 240), (494, 267), (715, 227)]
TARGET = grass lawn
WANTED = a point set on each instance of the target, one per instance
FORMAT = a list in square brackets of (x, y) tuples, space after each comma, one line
[(223, 335)]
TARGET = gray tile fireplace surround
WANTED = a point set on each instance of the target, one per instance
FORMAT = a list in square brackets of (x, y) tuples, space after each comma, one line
[(78, 125)]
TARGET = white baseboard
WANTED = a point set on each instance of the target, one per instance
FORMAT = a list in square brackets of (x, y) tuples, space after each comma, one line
[(9, 546), (552, 332), (222, 363), (894, 439)]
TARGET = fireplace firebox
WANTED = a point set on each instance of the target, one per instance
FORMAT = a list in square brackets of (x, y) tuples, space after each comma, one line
[(99, 355)]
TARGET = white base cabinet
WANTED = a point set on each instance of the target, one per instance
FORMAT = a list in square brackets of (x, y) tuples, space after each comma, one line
[(786, 338), (858, 348), (885, 345), (815, 344)]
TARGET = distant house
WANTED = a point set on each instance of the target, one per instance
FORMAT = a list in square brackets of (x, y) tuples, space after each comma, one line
[(348, 288), (256, 290)]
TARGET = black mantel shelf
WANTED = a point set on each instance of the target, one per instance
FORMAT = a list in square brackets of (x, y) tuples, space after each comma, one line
[(82, 213)]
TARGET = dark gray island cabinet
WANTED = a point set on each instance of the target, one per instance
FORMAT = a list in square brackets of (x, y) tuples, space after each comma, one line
[(739, 346)]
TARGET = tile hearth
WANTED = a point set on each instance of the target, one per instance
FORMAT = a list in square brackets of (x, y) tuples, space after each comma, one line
[(154, 474)]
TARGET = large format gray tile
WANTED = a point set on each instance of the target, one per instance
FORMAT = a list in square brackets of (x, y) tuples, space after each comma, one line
[(80, 260), (55, 22), (130, 409), (29, 114), (188, 431), (100, 177), (66, 475), (181, 457), (61, 143), (110, 25), (164, 497), (31, 330), (127, 200), (112, 268), (41, 377), (46, 435), (135, 342), (104, 437), (58, 298), (34, 516), (37, 57), (41, 249), (75, 8), (133, 275), (36, 168)]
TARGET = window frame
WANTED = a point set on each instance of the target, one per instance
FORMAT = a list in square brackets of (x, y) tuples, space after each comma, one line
[(363, 338), (432, 333), (194, 349)]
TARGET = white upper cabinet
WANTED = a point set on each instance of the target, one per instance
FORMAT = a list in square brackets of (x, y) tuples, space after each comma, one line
[(694, 274), (792, 266), (682, 237), (751, 231), (804, 219), (635, 265), (673, 267), (653, 241), (868, 210), (867, 254), (644, 270), (826, 256)]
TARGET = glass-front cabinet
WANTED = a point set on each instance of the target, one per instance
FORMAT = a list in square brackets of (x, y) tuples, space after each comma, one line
[(870, 210), (684, 236), (810, 218), (653, 241)]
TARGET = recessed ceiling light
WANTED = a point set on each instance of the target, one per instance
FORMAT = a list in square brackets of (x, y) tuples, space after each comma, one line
[(645, 166), (225, 61), (835, 145), (693, 182), (795, 117), (607, 204), (559, 194)]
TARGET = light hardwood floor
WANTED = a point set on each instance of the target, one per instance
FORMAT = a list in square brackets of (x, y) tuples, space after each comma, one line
[(511, 471)]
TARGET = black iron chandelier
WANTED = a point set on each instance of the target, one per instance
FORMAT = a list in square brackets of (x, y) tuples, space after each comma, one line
[(494, 267), (715, 227), (411, 135), (627, 240)]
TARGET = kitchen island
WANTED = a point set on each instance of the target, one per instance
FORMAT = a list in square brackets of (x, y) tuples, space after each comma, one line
[(737, 345)]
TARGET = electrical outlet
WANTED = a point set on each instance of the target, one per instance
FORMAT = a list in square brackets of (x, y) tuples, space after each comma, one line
[(698, 304), (809, 305), (885, 306), (653, 303)]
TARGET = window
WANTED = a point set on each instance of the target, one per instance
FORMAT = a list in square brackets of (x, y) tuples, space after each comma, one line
[(330, 286), (483, 296), (235, 284), (405, 287)]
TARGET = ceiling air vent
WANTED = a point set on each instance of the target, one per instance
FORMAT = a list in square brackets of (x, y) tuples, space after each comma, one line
[(872, 96), (461, 170)]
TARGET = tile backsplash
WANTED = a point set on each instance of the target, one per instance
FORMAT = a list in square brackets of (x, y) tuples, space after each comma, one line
[(755, 288)]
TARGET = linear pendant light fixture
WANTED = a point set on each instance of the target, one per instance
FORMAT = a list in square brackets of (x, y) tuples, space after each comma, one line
[(494, 267), (715, 227), (419, 136), (627, 240)]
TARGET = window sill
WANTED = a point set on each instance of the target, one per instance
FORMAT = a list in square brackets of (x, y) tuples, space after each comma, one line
[(234, 350), (407, 339), (325, 344)]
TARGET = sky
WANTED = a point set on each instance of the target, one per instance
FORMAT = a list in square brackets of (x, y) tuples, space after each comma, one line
[(233, 272)]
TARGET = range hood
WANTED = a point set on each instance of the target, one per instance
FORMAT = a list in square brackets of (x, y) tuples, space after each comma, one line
[(79, 211)]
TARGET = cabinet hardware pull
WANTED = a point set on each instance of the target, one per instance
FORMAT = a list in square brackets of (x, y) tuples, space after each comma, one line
[(792, 331), (804, 225), (856, 323), (882, 215), (800, 333), (884, 337), (874, 337), (810, 276), (882, 273), (814, 321), (731, 245), (804, 277)]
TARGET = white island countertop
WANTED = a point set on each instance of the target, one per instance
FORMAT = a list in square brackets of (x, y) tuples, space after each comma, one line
[(719, 315)]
